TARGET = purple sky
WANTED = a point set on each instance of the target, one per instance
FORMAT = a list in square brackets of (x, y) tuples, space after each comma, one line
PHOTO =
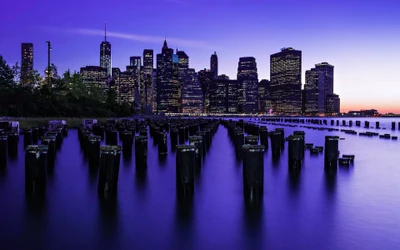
[(360, 38)]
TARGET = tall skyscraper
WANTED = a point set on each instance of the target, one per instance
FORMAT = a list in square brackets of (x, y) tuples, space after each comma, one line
[(183, 66), (328, 75), (286, 81), (147, 74), (218, 96), (135, 63), (332, 104), (192, 96), (206, 78), (248, 85), (105, 54), (167, 81), (214, 64), (315, 97), (26, 63)]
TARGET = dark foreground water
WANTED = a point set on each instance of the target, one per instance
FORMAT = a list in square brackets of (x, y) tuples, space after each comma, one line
[(358, 208)]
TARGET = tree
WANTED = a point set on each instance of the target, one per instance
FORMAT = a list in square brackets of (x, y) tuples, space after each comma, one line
[(6, 74)]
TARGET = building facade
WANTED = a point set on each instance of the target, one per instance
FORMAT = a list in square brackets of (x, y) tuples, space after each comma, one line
[(248, 85), (167, 81), (206, 78), (332, 104), (95, 76), (214, 64), (315, 96), (183, 66), (26, 63), (285, 77), (192, 95)]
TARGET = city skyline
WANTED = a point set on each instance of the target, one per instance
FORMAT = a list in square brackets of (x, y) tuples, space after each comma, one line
[(355, 44)]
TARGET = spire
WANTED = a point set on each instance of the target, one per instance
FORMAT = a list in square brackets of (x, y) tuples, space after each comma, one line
[(165, 46), (105, 32)]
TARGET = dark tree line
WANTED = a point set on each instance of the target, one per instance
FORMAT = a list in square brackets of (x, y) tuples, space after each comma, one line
[(66, 97)]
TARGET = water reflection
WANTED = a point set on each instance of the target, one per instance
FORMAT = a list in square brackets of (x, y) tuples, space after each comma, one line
[(183, 223), (3, 173), (253, 225), (330, 180), (141, 179), (162, 159), (276, 159), (108, 213), (294, 180)]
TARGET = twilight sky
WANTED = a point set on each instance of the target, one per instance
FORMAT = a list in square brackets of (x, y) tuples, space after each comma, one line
[(359, 37)]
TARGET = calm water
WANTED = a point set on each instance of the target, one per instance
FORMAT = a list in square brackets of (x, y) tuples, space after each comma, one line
[(358, 208)]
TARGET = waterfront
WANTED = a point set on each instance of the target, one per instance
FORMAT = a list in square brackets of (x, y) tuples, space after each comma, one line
[(355, 209)]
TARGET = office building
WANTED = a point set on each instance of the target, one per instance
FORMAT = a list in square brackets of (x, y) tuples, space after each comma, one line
[(285, 77), (167, 81), (315, 96), (147, 79), (192, 95), (183, 66), (95, 76), (26, 63), (248, 85), (214, 64), (105, 54), (332, 104), (206, 78)]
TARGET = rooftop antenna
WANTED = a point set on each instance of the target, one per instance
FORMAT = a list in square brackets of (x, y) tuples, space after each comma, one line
[(105, 32)]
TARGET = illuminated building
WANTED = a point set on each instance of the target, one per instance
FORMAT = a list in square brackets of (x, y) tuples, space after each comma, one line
[(332, 104), (248, 85), (95, 76), (105, 54), (218, 97), (232, 96), (26, 63), (147, 79), (183, 66), (206, 78), (314, 88), (328, 75), (192, 96), (285, 77), (264, 100), (214, 64), (135, 63), (167, 81), (223, 96)]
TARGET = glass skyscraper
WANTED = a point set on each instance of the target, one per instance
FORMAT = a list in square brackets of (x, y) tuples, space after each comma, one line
[(285, 77), (248, 85), (214, 64), (26, 63)]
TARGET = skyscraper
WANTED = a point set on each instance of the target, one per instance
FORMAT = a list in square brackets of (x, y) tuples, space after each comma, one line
[(248, 85), (139, 94), (328, 75), (147, 74), (192, 96), (183, 66), (315, 97), (206, 78), (286, 81), (95, 76), (214, 64), (26, 63), (105, 54), (167, 81)]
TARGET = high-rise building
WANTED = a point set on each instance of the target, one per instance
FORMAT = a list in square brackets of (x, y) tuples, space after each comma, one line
[(285, 77), (248, 85), (26, 63), (214, 64), (232, 96), (328, 75), (332, 104), (105, 54), (167, 81), (218, 97), (206, 78), (135, 63), (147, 74), (263, 96), (183, 66), (314, 88), (95, 76), (192, 96)]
